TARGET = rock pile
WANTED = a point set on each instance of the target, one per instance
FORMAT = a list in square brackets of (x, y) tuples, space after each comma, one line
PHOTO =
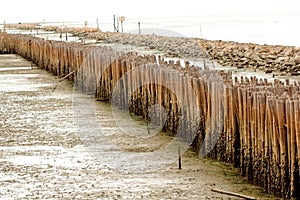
[(171, 46), (72, 30), (21, 26), (283, 60)]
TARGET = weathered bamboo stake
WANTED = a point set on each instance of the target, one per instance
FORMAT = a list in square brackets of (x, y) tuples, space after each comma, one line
[(144, 93), (267, 146), (212, 128), (187, 100), (214, 117), (220, 120), (149, 88), (249, 134), (138, 90), (197, 108), (258, 148), (133, 89), (168, 106), (93, 70), (234, 105), (181, 105), (245, 130), (293, 171), (187, 109), (208, 118), (113, 80), (297, 130), (264, 140), (253, 122), (288, 146), (271, 147), (61, 60), (241, 129), (276, 149), (227, 124), (162, 96), (254, 136), (125, 83), (105, 76), (174, 106), (85, 69), (130, 95), (282, 142)]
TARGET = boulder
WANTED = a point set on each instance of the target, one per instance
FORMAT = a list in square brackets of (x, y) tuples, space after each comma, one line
[(268, 71), (282, 59), (297, 60), (295, 73)]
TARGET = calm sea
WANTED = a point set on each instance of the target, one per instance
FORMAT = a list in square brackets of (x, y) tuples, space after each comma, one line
[(274, 29)]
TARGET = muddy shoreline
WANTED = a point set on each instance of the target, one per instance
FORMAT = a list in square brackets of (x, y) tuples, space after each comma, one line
[(43, 155)]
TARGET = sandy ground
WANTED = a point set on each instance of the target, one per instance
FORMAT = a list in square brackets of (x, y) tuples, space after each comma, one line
[(64, 145)]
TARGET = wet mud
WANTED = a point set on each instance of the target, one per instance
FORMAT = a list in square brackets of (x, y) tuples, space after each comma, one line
[(65, 145)]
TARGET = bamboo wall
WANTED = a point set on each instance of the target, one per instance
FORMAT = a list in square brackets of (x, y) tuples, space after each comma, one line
[(255, 123)]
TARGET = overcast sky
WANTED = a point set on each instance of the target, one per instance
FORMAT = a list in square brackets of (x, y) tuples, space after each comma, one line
[(61, 10)]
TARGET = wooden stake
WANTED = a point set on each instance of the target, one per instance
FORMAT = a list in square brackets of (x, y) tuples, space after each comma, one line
[(179, 158), (233, 194)]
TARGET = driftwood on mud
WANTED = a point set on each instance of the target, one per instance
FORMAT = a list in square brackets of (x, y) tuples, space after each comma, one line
[(233, 194), (60, 80), (66, 76)]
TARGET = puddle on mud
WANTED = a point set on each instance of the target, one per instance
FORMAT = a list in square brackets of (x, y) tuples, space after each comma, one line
[(65, 145)]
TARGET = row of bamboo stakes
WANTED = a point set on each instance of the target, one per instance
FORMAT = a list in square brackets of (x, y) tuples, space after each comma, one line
[(249, 122)]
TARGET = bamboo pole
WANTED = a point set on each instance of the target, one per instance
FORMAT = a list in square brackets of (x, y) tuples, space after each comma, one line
[(293, 171), (233, 194), (297, 127), (282, 141)]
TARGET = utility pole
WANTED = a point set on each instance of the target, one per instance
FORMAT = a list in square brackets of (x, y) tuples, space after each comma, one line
[(201, 32), (97, 23), (115, 28), (139, 24), (4, 27), (118, 28)]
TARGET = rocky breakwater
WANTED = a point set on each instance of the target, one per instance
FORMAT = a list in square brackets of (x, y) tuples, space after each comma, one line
[(277, 59), (171, 46), (75, 31)]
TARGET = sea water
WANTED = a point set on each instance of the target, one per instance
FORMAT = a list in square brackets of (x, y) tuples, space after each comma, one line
[(273, 29), (269, 28)]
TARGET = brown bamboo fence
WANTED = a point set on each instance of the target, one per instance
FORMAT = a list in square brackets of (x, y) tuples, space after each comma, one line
[(249, 122)]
